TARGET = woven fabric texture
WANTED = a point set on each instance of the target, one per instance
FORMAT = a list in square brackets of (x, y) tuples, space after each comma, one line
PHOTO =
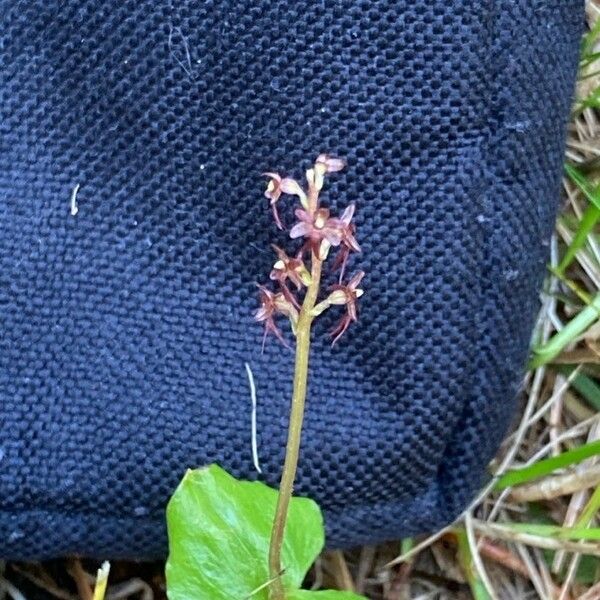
[(125, 328)]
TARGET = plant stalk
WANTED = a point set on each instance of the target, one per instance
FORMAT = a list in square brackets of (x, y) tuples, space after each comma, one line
[(286, 486)]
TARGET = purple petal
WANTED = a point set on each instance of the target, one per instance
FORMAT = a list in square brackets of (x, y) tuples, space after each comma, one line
[(335, 164), (291, 186), (276, 217), (299, 230), (351, 242), (332, 236), (351, 308), (340, 328), (302, 215), (261, 314), (348, 214), (356, 280), (272, 175), (331, 164)]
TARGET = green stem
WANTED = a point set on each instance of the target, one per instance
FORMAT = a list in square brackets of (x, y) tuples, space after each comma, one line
[(292, 449)]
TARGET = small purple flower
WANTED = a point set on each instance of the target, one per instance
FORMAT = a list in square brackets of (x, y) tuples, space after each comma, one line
[(349, 243), (317, 228), (282, 185), (290, 268), (272, 304), (346, 295), (348, 228)]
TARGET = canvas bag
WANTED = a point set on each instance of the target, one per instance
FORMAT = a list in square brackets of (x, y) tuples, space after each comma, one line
[(125, 328)]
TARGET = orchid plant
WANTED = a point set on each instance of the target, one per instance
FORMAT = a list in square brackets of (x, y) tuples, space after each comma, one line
[(319, 232), (245, 552)]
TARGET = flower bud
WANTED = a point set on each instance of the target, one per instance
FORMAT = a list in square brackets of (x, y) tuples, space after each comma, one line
[(305, 276), (324, 249), (316, 175), (338, 297)]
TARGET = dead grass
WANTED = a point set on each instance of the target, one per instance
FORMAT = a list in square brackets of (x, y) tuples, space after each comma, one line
[(501, 548)]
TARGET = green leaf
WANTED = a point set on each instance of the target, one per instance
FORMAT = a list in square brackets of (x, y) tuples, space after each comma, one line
[(219, 531)]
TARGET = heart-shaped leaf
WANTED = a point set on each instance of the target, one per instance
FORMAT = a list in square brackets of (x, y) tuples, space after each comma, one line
[(219, 531)]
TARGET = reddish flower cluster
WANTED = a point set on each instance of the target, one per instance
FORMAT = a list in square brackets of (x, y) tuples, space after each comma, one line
[(320, 232)]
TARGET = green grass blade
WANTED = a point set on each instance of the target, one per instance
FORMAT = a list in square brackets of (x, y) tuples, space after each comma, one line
[(572, 330), (556, 532), (465, 558), (406, 545), (589, 39), (588, 221), (587, 60), (549, 465), (591, 192), (589, 510), (592, 100), (585, 385)]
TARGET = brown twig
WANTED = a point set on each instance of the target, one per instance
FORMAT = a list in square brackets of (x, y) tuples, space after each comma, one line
[(80, 577), (341, 573), (365, 564)]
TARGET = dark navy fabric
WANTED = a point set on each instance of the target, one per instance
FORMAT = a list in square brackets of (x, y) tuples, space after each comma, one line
[(125, 327)]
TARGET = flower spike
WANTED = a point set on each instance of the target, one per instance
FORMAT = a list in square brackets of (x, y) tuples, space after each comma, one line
[(320, 232)]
